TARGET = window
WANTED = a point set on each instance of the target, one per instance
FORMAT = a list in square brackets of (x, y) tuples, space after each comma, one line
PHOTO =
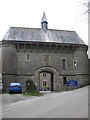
[(44, 74), (63, 63), (64, 80), (75, 63), (28, 57), (44, 83)]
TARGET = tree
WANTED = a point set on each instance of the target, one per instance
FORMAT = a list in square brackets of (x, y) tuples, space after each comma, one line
[(30, 86), (87, 5)]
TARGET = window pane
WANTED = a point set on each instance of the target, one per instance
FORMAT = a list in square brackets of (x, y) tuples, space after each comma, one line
[(63, 63), (44, 83), (44, 74), (64, 80), (28, 57)]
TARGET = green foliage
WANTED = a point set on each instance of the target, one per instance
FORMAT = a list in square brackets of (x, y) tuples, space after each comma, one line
[(30, 86), (35, 93)]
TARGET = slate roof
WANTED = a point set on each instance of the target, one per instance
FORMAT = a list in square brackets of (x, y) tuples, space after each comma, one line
[(41, 35)]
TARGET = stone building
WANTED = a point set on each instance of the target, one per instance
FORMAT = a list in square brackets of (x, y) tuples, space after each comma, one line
[(47, 56)]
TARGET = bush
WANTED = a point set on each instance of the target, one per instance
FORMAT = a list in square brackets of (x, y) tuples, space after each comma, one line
[(35, 93), (30, 86)]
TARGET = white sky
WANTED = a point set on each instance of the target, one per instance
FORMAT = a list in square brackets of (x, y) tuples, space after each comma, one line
[(61, 14)]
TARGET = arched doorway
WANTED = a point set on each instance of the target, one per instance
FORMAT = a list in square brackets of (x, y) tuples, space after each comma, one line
[(54, 77), (46, 81)]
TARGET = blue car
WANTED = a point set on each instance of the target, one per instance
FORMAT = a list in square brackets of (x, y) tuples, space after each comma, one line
[(15, 88)]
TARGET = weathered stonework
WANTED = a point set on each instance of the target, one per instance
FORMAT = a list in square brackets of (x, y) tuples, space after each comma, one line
[(16, 67), (63, 57)]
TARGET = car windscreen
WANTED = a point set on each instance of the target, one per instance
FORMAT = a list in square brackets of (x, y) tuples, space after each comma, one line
[(15, 84)]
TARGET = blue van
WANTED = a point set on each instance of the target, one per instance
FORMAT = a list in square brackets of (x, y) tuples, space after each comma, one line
[(15, 88)]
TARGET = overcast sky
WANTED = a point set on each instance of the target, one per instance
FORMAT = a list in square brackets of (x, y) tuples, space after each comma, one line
[(61, 14)]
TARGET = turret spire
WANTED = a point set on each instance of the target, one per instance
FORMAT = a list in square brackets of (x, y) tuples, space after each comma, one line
[(44, 21)]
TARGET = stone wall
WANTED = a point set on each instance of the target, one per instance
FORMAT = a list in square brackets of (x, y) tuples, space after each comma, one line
[(0, 58), (24, 62), (9, 60), (6, 80)]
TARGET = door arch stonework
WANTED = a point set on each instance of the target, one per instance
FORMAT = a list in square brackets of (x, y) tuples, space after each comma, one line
[(50, 70)]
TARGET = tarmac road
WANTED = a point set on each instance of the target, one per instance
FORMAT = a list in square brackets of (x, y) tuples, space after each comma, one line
[(13, 98), (72, 104)]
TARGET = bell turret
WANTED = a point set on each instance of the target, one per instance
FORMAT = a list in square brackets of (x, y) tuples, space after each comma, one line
[(44, 23)]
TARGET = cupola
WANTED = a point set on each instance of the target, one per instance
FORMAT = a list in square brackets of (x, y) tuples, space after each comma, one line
[(44, 23)]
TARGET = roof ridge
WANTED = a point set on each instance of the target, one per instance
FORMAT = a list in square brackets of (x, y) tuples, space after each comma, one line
[(41, 29), (25, 27)]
